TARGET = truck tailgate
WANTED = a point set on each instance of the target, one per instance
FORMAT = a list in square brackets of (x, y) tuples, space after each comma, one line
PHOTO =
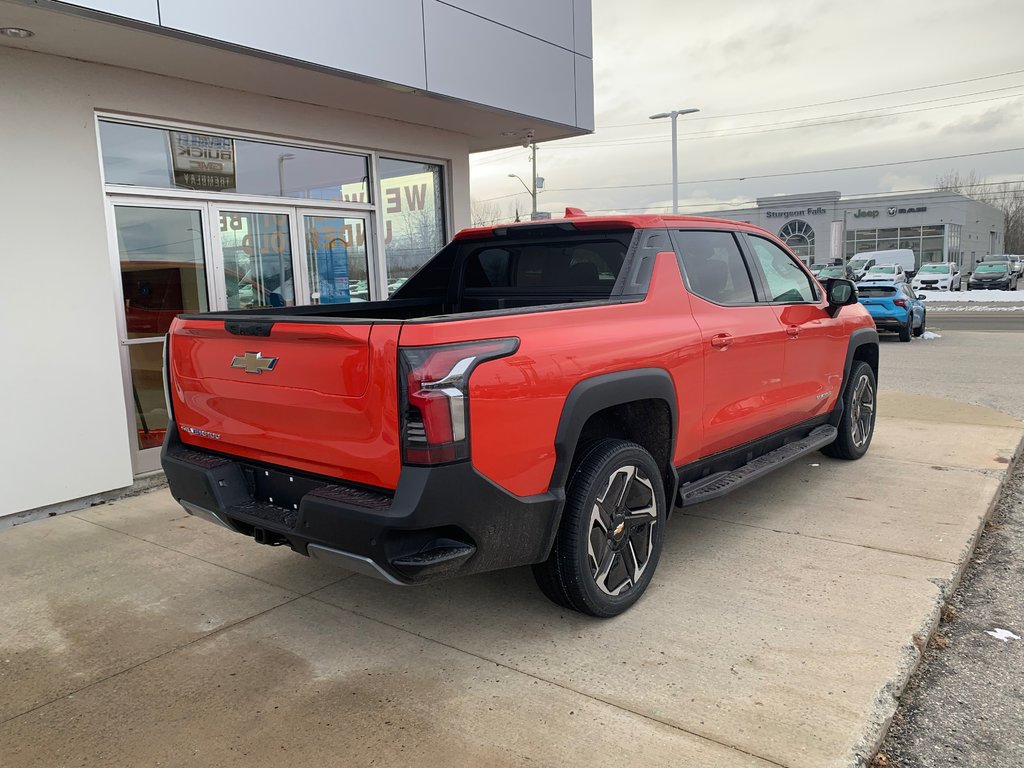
[(317, 397)]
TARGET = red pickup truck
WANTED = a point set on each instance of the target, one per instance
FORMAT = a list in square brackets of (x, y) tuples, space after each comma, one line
[(541, 393)]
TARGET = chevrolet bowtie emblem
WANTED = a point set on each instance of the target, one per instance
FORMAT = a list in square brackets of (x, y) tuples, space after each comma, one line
[(253, 362)]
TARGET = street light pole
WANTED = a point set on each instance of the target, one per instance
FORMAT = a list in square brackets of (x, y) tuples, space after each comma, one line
[(533, 147), (675, 159), (531, 192)]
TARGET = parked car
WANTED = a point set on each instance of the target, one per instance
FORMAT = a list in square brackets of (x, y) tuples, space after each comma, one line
[(885, 273), (905, 257), (941, 276), (845, 272), (993, 276), (1016, 264), (861, 264), (894, 307), (470, 422), (816, 268)]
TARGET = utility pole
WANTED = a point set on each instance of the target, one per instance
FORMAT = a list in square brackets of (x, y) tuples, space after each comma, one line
[(533, 147)]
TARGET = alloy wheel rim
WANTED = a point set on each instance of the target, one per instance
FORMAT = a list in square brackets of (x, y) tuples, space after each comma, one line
[(620, 538), (863, 411)]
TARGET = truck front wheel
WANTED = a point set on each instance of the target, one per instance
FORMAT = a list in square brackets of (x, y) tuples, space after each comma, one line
[(611, 533)]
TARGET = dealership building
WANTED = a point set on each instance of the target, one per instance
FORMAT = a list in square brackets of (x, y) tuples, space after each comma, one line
[(175, 155), (825, 226)]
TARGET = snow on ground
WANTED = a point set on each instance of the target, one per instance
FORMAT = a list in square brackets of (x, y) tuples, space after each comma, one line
[(1002, 297), (939, 306), (928, 335)]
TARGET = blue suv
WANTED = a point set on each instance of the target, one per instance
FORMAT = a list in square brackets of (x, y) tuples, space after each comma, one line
[(894, 307)]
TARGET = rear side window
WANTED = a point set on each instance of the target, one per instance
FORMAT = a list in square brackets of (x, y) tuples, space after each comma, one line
[(585, 263), (714, 267), (787, 283)]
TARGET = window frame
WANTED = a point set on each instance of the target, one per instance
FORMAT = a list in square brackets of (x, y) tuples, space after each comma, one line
[(760, 294), (816, 291)]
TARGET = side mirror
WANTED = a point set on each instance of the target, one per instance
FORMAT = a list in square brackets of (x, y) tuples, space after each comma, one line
[(839, 293), (921, 296)]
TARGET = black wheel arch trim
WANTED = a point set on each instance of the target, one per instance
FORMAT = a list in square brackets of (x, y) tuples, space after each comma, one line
[(861, 337), (596, 394)]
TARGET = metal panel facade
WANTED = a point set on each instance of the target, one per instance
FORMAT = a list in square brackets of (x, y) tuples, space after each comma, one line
[(379, 40)]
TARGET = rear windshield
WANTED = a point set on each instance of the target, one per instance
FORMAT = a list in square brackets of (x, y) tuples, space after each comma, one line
[(991, 268), (876, 291), (940, 268), (832, 272), (579, 262)]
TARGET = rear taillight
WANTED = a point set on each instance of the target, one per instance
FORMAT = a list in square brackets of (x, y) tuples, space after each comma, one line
[(900, 302), (434, 383)]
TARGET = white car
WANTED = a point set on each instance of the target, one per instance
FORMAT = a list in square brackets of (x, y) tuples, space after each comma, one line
[(884, 273), (941, 276)]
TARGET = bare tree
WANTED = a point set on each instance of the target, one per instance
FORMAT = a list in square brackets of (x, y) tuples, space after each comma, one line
[(482, 213), (1007, 196)]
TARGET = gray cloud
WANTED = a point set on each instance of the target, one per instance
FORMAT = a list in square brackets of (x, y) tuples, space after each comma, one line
[(735, 56)]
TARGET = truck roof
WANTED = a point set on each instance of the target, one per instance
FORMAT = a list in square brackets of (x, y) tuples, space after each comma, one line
[(577, 219)]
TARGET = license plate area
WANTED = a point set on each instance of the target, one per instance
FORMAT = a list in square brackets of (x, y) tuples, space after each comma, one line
[(282, 489)]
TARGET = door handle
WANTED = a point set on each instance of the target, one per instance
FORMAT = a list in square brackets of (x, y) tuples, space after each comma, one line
[(721, 340), (792, 331)]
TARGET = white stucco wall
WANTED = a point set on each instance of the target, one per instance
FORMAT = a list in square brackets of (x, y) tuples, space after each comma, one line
[(62, 405)]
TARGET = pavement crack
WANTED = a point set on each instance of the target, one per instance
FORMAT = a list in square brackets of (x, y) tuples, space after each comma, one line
[(158, 656), (818, 538), (210, 562), (562, 686)]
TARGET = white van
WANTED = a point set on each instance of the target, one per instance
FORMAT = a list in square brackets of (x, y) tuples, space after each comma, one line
[(903, 257)]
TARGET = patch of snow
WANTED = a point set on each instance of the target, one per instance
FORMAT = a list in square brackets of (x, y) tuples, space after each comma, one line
[(928, 335), (1002, 297), (938, 306), (1002, 634)]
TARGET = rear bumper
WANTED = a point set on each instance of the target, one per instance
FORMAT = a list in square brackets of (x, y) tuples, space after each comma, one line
[(890, 322), (440, 522)]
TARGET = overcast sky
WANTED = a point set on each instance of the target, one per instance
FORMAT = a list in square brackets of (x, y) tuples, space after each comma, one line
[(741, 56)]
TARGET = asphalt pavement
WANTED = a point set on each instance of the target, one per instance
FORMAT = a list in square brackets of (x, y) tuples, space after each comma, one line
[(975, 321), (963, 707)]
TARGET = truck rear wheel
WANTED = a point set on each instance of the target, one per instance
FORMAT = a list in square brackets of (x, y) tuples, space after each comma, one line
[(611, 534)]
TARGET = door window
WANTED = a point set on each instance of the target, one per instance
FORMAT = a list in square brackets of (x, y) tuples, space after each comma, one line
[(257, 250), (787, 282), (163, 273), (714, 267), (336, 259)]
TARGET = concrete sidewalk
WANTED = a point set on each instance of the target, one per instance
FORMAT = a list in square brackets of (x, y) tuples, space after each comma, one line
[(782, 622)]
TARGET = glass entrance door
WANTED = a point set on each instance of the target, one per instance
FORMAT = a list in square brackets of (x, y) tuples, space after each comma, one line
[(162, 260), (177, 257), (256, 253), (336, 263)]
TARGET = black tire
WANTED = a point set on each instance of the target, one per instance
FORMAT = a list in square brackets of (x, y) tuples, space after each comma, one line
[(857, 425), (621, 535), (918, 332), (906, 330)]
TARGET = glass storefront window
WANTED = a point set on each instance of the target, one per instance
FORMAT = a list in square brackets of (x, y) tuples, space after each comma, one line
[(257, 250), (163, 270), (156, 157), (336, 259), (931, 249), (412, 214)]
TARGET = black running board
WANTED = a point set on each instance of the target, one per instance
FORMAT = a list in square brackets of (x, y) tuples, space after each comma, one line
[(721, 483)]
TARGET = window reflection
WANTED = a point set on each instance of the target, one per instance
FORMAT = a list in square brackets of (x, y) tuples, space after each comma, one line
[(412, 212), (154, 157), (162, 267)]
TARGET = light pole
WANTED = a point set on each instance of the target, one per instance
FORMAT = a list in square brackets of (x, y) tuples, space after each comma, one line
[(675, 161), (280, 170), (531, 192)]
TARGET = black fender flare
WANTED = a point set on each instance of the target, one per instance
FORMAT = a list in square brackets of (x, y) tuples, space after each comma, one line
[(595, 394), (861, 337)]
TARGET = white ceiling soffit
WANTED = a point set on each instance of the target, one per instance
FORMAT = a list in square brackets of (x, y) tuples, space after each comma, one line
[(90, 36)]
